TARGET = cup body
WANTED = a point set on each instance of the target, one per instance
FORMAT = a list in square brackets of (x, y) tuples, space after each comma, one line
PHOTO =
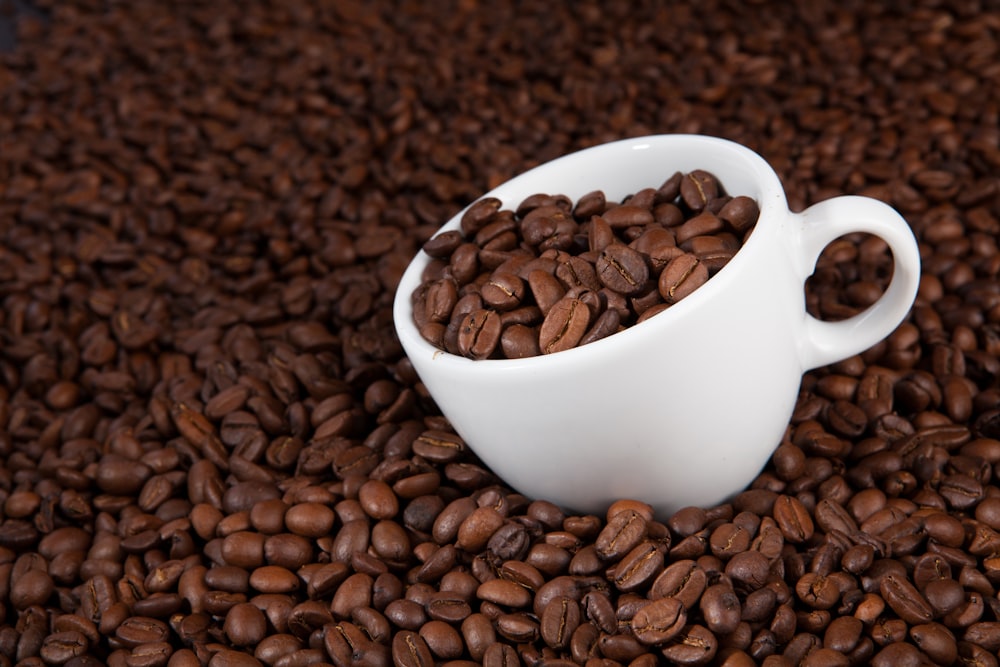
[(682, 409)]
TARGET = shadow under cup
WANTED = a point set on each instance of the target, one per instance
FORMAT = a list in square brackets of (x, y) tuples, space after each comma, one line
[(682, 409)]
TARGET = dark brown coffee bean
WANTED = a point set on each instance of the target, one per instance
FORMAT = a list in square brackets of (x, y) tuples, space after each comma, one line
[(477, 635), (683, 580), (729, 539), (659, 621), (443, 640), (627, 215), (500, 655), (905, 600), (442, 245), (546, 289), (448, 607), (564, 326), (680, 277), (309, 519), (477, 528), (139, 630), (624, 531), (638, 566), (591, 204), (517, 627), (695, 645), (622, 269), (983, 634), (793, 519), (559, 621), (698, 188), (245, 625), (503, 291), (936, 641), (504, 593), (31, 588), (244, 549), (356, 591), (720, 608), (740, 213), (60, 647), (435, 445), (701, 225), (817, 591), (479, 334)]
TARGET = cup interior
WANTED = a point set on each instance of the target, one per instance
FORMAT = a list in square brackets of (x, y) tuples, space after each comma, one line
[(618, 169)]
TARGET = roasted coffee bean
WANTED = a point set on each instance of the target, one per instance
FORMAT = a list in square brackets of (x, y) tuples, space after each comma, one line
[(409, 648), (449, 607), (740, 213), (503, 291), (60, 647), (680, 277), (622, 269), (479, 334), (500, 655), (694, 645), (564, 326), (720, 607), (701, 225), (936, 641), (139, 630), (504, 593), (793, 519), (638, 566), (729, 539), (245, 625), (559, 621), (905, 600), (684, 580), (623, 531), (660, 621), (698, 188)]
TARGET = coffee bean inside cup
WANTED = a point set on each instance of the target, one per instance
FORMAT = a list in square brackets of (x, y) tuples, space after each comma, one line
[(554, 274)]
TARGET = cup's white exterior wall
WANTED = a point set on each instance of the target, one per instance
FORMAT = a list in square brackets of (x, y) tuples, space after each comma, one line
[(687, 407)]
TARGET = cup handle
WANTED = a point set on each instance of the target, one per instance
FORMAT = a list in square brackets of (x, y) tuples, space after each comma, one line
[(828, 342)]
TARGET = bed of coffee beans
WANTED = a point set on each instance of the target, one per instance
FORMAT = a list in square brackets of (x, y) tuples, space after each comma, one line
[(554, 274), (213, 451)]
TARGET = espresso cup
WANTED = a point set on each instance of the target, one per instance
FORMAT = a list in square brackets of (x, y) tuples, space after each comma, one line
[(686, 407)]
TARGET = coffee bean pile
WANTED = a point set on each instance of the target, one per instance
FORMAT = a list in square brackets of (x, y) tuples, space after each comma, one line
[(214, 451), (554, 274)]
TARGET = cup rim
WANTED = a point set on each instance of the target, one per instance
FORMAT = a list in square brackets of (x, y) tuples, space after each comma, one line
[(771, 197)]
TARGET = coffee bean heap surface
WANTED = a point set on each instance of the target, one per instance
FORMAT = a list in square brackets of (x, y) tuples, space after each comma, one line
[(554, 274), (213, 451)]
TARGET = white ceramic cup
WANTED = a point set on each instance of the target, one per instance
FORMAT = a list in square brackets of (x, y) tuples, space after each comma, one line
[(687, 407)]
